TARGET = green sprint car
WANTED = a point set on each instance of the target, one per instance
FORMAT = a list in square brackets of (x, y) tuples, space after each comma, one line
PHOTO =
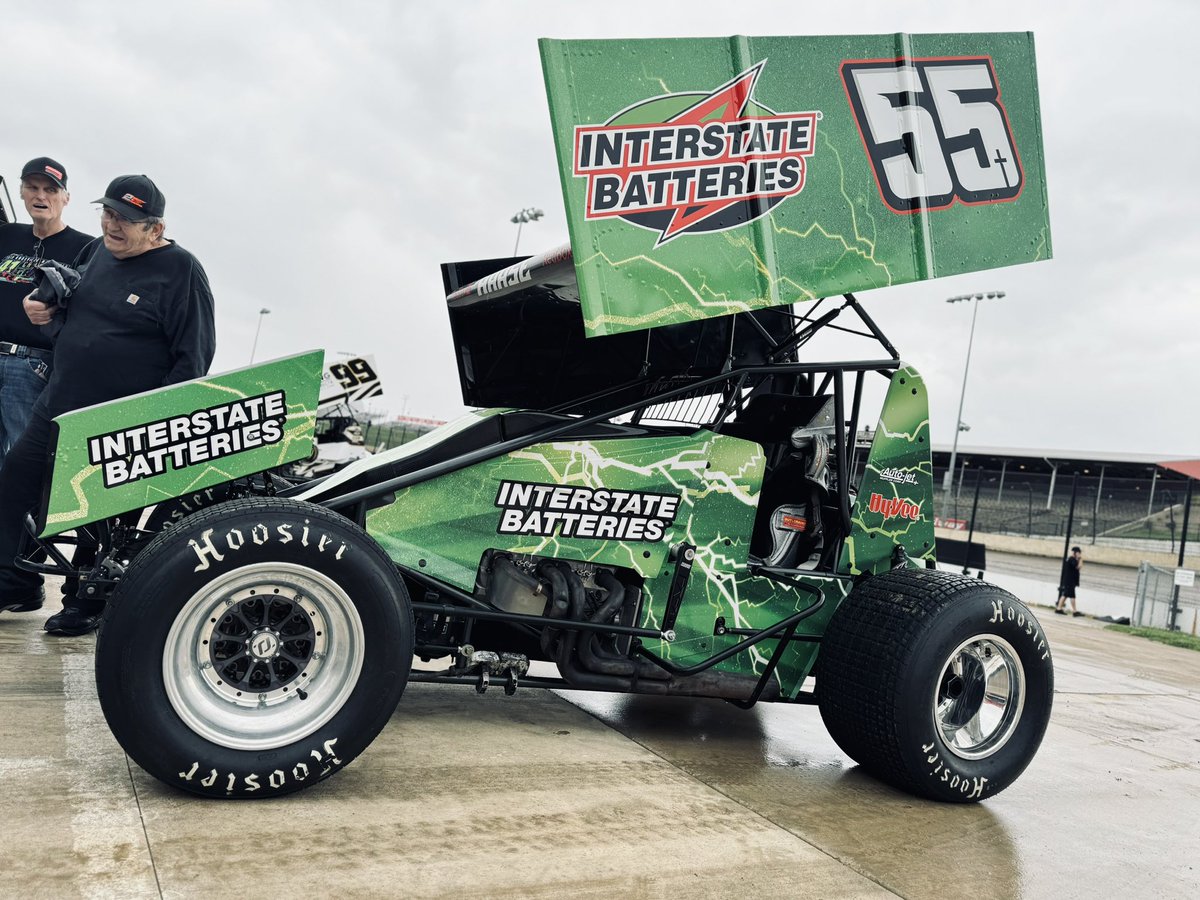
[(661, 491)]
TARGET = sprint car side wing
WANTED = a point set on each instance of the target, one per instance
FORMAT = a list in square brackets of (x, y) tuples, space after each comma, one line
[(137, 451)]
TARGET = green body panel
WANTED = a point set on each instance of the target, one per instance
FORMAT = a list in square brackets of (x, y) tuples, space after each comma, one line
[(895, 499), (134, 452), (844, 228), (722, 587), (444, 525)]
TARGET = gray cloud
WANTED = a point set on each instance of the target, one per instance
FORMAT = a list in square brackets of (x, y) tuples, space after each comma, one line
[(323, 158)]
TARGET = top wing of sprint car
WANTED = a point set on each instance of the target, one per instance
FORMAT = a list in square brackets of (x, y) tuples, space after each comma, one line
[(664, 489)]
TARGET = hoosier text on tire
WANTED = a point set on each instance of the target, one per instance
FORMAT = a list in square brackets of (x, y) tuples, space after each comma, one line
[(937, 683), (254, 649)]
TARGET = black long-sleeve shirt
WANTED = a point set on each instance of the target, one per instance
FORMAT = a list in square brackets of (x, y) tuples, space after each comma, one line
[(132, 325), (20, 252)]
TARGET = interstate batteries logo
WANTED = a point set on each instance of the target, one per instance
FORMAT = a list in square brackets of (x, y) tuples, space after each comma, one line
[(584, 512), (203, 436), (693, 163)]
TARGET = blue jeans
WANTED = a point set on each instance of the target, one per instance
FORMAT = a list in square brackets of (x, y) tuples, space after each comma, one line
[(21, 380), (21, 479)]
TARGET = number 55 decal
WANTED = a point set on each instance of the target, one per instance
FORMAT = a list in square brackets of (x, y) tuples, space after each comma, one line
[(935, 131)]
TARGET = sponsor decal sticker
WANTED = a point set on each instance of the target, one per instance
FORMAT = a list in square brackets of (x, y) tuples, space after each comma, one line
[(723, 161), (584, 512), (953, 524), (893, 507), (505, 278), (898, 476), (935, 131), (136, 201), (349, 380), (205, 435)]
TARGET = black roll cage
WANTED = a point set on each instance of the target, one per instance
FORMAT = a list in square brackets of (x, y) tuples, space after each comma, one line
[(735, 378)]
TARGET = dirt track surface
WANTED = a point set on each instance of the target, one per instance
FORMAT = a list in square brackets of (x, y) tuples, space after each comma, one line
[(1115, 579)]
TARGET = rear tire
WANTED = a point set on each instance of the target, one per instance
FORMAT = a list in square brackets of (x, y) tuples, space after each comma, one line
[(254, 649), (936, 683)]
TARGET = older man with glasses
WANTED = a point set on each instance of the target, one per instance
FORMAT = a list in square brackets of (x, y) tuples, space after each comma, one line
[(24, 347), (140, 318)]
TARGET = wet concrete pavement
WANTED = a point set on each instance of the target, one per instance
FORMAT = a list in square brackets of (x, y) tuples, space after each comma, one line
[(548, 795)]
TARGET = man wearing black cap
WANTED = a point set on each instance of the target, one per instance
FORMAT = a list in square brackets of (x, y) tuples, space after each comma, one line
[(24, 347), (140, 318)]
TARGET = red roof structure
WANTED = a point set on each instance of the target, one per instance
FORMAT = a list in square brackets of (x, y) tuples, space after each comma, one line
[(1188, 467)]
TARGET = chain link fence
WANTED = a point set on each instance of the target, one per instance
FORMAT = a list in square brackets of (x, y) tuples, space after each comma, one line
[(1158, 603)]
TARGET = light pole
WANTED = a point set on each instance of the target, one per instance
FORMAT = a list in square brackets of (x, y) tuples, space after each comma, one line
[(948, 481), (262, 312), (528, 214), (7, 213)]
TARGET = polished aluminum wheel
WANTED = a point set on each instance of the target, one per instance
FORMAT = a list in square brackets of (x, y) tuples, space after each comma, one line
[(979, 696), (263, 656)]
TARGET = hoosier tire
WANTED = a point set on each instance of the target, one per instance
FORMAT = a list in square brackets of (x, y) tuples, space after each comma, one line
[(936, 683), (254, 649)]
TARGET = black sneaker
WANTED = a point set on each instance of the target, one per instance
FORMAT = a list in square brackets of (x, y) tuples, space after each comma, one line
[(1077, 613), (72, 621), (29, 603), (1061, 612)]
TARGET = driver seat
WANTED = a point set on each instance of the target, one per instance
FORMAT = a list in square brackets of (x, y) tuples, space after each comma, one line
[(789, 530)]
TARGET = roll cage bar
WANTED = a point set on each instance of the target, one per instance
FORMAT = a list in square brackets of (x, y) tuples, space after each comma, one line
[(735, 386)]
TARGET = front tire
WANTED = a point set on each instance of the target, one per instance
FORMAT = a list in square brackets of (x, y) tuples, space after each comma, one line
[(254, 649), (936, 683)]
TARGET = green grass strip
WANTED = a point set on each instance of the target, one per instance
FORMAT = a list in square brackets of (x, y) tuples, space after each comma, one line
[(1173, 638)]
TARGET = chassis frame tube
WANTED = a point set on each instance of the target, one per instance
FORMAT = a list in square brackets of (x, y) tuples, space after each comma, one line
[(350, 499)]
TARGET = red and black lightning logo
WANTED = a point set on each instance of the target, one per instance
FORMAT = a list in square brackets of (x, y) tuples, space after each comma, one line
[(720, 161)]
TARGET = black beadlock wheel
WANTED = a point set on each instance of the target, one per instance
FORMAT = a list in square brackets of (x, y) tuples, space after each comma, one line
[(937, 683), (254, 649)]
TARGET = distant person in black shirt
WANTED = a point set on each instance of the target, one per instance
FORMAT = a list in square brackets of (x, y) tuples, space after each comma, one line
[(1068, 582), (24, 347), (140, 318)]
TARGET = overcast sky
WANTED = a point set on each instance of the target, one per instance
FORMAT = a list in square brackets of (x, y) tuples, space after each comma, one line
[(322, 159)]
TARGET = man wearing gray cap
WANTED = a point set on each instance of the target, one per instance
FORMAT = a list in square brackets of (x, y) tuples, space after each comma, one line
[(24, 347), (140, 318)]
